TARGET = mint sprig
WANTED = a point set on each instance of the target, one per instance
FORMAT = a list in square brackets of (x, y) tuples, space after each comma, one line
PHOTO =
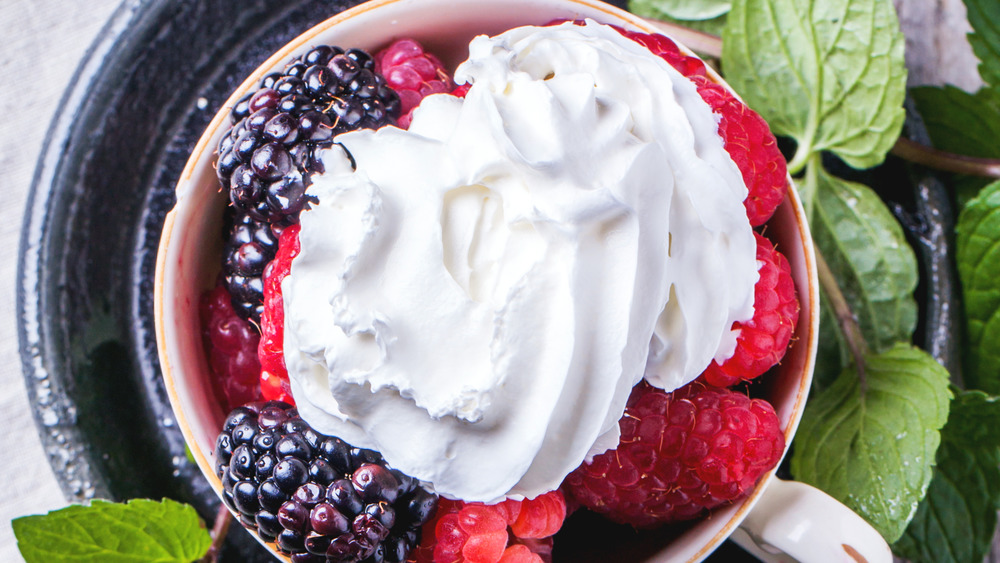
[(872, 446), (141, 531)]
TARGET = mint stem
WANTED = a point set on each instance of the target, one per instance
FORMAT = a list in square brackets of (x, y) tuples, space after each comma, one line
[(946, 161), (845, 317), (223, 518)]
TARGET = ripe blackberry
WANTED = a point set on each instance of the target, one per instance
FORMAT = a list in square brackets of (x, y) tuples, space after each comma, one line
[(250, 245), (314, 496), (266, 159)]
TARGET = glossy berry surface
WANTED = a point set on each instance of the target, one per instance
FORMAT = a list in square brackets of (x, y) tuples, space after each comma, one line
[(764, 339), (352, 508), (680, 455), (489, 533), (273, 375), (413, 73), (266, 159), (231, 344)]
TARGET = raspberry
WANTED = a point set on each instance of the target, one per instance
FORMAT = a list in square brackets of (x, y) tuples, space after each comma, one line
[(413, 73), (763, 340), (231, 344), (680, 455), (753, 148), (511, 531), (273, 374), (746, 136)]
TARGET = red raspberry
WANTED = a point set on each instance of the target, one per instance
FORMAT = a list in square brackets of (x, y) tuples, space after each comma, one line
[(680, 454), (745, 134), (231, 344), (273, 375), (511, 531), (763, 340), (413, 73)]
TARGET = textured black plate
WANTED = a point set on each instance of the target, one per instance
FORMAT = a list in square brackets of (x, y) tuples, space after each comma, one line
[(103, 185)]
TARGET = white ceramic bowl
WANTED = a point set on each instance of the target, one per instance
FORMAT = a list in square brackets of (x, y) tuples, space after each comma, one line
[(190, 250)]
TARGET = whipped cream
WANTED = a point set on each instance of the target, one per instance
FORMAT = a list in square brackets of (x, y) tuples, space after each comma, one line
[(476, 296)]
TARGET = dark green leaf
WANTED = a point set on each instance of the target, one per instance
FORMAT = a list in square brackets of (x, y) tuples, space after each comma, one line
[(956, 520), (978, 256), (983, 16), (832, 353), (867, 251), (873, 449), (830, 74), (960, 122), (142, 531)]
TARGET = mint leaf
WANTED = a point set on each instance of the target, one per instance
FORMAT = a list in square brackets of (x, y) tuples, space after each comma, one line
[(960, 122), (680, 9), (978, 256), (652, 9), (985, 39), (873, 449), (830, 74), (867, 251), (142, 531), (832, 353), (955, 522), (974, 421)]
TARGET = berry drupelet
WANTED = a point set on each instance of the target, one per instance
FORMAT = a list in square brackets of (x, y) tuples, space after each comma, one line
[(314, 496), (266, 159)]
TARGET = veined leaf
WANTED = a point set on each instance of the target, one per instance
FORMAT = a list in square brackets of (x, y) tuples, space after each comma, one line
[(983, 16), (873, 449), (830, 74), (955, 521), (680, 9), (867, 251), (142, 531), (978, 256)]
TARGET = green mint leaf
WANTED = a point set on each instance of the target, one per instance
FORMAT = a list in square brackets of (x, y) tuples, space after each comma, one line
[(873, 449), (867, 251), (830, 74), (680, 9), (985, 38), (974, 421), (960, 122), (142, 531), (964, 495), (978, 256)]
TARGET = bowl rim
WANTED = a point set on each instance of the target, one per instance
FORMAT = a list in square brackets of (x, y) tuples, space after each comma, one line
[(806, 330)]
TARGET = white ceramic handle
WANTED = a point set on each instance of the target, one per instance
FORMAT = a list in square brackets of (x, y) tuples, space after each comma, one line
[(793, 522)]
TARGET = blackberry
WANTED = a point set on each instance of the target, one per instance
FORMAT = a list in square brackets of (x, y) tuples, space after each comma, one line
[(315, 497), (249, 246), (266, 159)]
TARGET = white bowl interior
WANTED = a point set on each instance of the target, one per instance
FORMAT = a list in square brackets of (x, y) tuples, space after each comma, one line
[(189, 256)]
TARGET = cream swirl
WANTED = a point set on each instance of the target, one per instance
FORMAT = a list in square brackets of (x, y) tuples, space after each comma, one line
[(475, 297)]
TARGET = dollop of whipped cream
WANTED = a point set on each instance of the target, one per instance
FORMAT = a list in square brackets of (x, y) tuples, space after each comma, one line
[(476, 296)]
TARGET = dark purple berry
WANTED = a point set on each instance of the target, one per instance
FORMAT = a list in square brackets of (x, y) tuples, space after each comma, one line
[(325, 519), (290, 474), (271, 496), (342, 494), (293, 516), (245, 496)]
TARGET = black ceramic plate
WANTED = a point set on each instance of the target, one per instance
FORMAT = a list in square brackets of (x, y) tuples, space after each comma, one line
[(104, 183)]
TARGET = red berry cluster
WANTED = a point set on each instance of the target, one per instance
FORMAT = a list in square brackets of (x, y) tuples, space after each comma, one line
[(512, 531), (680, 455), (274, 384), (413, 73), (231, 345)]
